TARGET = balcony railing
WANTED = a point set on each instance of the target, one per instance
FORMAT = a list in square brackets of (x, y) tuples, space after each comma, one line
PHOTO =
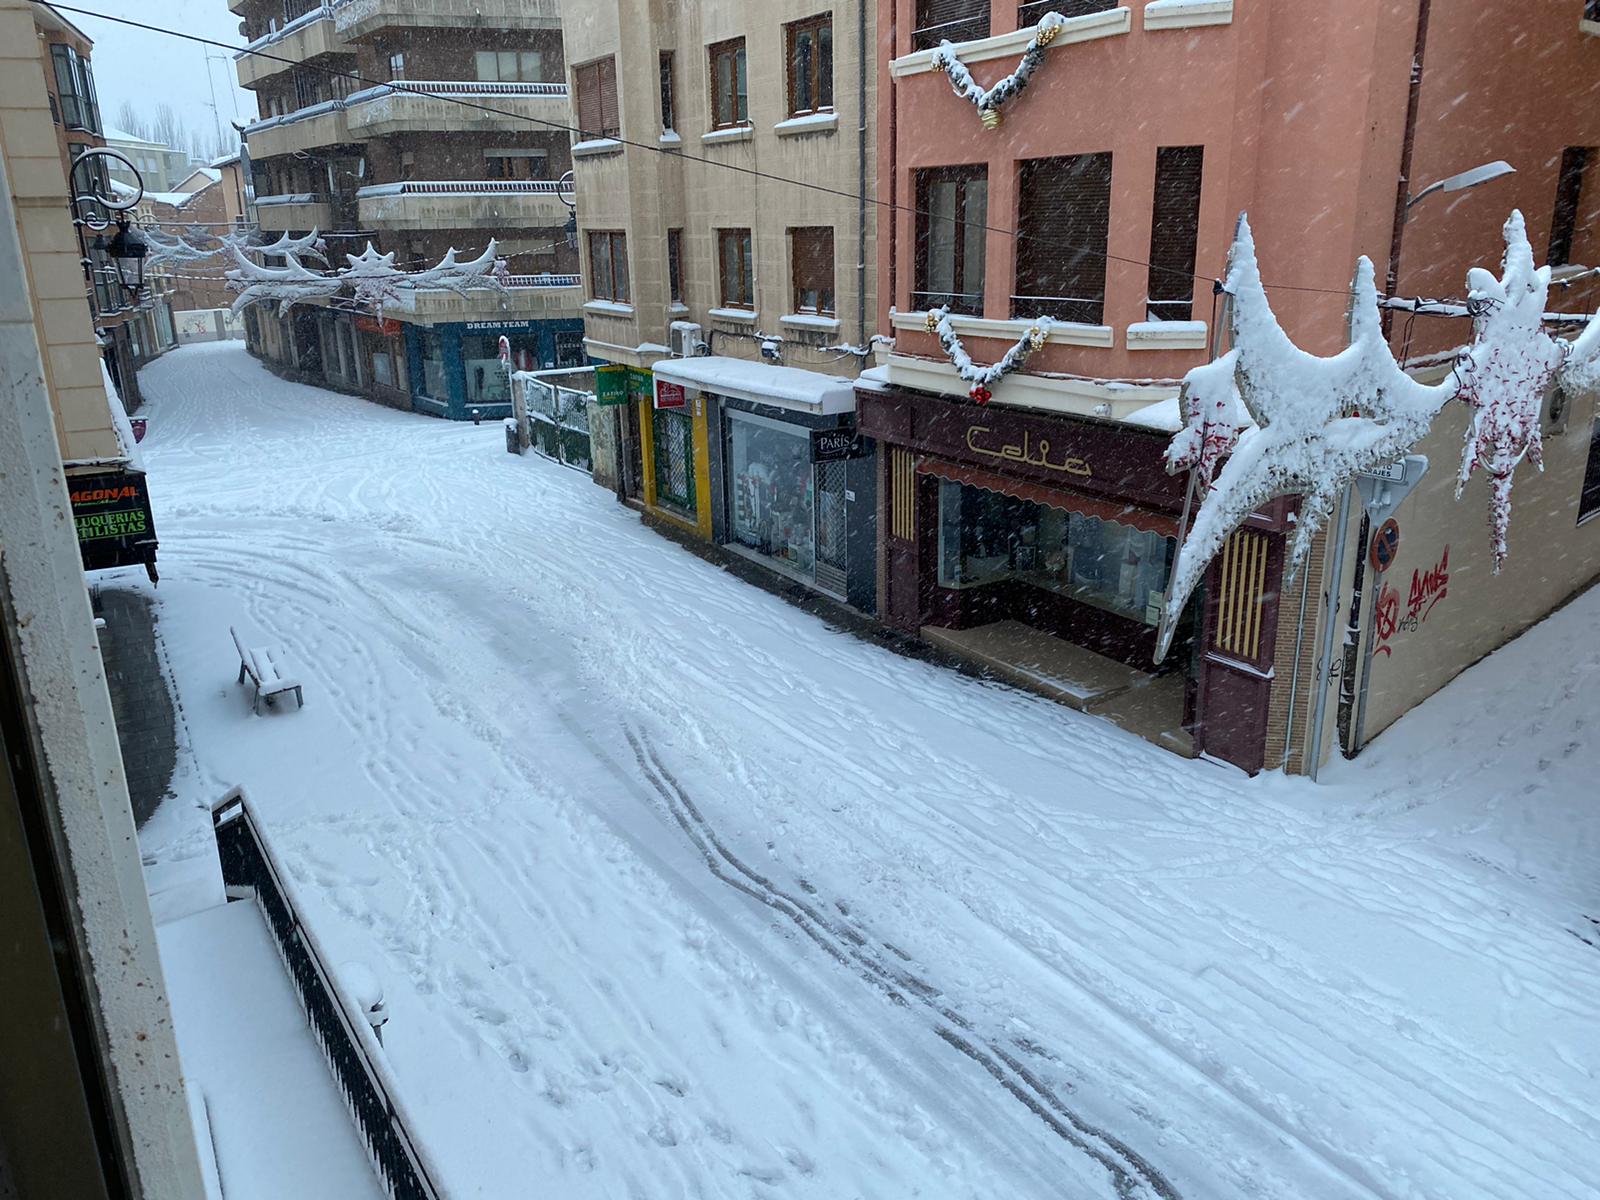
[(969, 303), (1030, 12), (456, 87), (496, 204), (1081, 310), (321, 13), (461, 187)]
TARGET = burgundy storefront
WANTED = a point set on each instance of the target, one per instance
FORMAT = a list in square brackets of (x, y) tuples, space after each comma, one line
[(1068, 526)]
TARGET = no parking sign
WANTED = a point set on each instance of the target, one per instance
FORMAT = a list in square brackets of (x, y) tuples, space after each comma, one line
[(1385, 545)]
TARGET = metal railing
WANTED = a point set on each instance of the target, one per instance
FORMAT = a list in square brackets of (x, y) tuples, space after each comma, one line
[(552, 411), (464, 187), (967, 303), (347, 1040)]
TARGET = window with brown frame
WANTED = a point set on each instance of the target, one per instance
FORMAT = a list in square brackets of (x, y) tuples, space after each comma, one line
[(1569, 197), (596, 85), (1174, 229), (669, 107), (1063, 224), (811, 261), (608, 265), (675, 265), (810, 55), (949, 21), (730, 86), (734, 268), (952, 213)]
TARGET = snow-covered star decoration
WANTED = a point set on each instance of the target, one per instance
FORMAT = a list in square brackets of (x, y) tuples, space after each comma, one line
[(372, 278)]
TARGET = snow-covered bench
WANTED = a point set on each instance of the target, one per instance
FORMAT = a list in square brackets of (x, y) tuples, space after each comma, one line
[(263, 666)]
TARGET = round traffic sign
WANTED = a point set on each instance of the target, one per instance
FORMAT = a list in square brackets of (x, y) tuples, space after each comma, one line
[(1385, 545)]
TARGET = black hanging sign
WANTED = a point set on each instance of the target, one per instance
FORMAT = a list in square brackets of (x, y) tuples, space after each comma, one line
[(834, 445)]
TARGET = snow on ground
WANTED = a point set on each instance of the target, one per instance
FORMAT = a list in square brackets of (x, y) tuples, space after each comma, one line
[(675, 890)]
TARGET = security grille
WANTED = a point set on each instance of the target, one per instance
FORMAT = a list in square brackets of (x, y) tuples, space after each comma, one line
[(832, 527), (674, 447)]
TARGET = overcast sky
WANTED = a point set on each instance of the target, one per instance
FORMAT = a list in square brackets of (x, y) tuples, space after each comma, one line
[(149, 68)]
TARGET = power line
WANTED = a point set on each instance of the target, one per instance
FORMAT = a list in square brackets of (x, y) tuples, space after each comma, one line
[(679, 154)]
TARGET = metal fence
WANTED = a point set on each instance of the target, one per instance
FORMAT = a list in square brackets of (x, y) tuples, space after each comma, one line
[(552, 413), (347, 1040)]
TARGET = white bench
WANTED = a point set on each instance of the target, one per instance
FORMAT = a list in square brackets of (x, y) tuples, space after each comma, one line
[(263, 667)]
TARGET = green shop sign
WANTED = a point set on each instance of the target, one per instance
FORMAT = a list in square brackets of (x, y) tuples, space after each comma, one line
[(641, 385), (611, 384)]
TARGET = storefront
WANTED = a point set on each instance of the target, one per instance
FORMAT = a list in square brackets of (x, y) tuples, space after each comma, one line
[(381, 346), (1040, 545), (455, 369), (791, 484)]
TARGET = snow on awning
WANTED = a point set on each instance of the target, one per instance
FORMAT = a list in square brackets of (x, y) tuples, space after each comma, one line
[(742, 379)]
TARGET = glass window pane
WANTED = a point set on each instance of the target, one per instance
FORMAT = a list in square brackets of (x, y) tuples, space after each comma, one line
[(619, 265), (800, 68), (488, 65), (744, 87), (941, 251), (825, 67), (747, 291), (975, 215), (600, 265), (724, 115), (532, 67)]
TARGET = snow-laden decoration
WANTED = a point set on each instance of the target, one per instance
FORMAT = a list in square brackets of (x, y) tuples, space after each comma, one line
[(198, 244), (989, 101), (1582, 370), (1317, 421), (309, 245), (373, 279), (981, 378), (288, 285), (1214, 416), (1506, 374)]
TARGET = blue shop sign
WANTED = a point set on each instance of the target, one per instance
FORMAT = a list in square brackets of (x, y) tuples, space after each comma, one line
[(499, 326)]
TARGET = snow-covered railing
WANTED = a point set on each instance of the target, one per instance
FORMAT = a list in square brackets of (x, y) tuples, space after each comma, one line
[(455, 87), (341, 1027), (555, 405), (543, 281), (463, 187), (323, 12), (299, 114), (288, 198)]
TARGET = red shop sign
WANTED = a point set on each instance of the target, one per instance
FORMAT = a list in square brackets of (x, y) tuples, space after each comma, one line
[(670, 395)]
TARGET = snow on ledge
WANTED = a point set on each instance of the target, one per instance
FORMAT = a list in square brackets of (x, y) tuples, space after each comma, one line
[(739, 133), (745, 316), (761, 383), (820, 122), (810, 321), (670, 137), (595, 147), (609, 308), (1167, 335), (1165, 415), (1187, 14)]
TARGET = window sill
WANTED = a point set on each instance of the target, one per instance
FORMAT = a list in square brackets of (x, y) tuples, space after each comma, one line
[(745, 316), (596, 147), (677, 307), (1074, 29), (1168, 335), (1187, 14), (738, 133), (821, 122), (810, 321), (1062, 333), (1592, 28), (608, 308), (671, 139)]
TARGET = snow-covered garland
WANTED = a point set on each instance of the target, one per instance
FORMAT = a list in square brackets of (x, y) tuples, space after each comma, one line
[(982, 377), (373, 279), (989, 101)]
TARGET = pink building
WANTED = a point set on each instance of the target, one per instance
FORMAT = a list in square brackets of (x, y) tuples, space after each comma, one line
[(1034, 534)]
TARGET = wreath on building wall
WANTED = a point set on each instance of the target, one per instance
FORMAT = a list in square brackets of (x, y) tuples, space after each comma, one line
[(988, 101), (981, 378)]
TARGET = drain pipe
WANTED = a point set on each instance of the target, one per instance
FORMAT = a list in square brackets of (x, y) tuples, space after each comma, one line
[(1403, 189), (861, 173)]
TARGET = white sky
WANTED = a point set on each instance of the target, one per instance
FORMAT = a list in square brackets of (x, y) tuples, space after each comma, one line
[(151, 68)]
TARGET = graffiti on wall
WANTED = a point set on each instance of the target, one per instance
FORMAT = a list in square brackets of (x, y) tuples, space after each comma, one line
[(1427, 589)]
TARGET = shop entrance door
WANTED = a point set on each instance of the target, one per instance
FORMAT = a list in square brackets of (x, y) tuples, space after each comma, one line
[(832, 527), (632, 453)]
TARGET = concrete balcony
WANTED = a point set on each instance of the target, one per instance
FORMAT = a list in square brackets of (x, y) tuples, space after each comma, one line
[(359, 19), (431, 106), (304, 129), (299, 41), (463, 204), (293, 213), (526, 298)]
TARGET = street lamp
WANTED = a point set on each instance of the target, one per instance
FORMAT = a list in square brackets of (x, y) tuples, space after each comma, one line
[(93, 199), (127, 250), (1465, 180)]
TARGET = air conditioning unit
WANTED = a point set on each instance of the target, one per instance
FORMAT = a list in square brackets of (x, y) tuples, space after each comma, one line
[(683, 339)]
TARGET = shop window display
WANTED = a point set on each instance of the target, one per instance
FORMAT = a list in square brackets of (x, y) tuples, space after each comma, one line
[(773, 501), (486, 375), (985, 537), (433, 365)]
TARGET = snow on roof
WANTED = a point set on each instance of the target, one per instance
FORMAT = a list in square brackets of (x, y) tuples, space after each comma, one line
[(1164, 415), (225, 160), (744, 379), (122, 135), (209, 174)]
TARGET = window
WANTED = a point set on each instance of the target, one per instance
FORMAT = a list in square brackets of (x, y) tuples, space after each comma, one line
[(733, 264), (597, 99), (397, 66), (672, 432), (515, 164), (675, 265), (1029, 11), (75, 86), (1569, 195), (608, 266), (952, 210), (730, 89), (810, 50), (1589, 499), (811, 259), (510, 66), (949, 20), (669, 111), (1063, 222), (1174, 226)]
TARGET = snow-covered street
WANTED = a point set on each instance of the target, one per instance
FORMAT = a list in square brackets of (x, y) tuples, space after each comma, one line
[(677, 891)]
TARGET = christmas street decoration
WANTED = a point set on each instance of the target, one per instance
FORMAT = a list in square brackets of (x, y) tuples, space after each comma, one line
[(989, 101), (982, 377), (373, 279)]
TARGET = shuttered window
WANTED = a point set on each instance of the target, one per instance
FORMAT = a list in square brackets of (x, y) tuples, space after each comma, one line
[(1569, 196), (1063, 223), (949, 21), (734, 266), (1589, 501), (608, 265), (1029, 13), (1174, 228), (811, 254), (598, 115), (952, 212)]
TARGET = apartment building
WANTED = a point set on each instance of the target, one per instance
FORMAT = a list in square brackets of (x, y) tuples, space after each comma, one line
[(161, 167), (718, 294), (418, 126), (1034, 534)]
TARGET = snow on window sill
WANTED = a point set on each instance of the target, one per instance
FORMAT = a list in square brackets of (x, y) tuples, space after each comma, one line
[(739, 133), (1167, 335), (671, 137), (818, 122), (1062, 333), (1006, 45), (596, 147), (1187, 14), (745, 316), (1590, 27), (810, 321), (677, 306), (608, 308)]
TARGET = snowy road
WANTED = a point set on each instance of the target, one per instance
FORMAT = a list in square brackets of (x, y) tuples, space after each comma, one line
[(678, 892)]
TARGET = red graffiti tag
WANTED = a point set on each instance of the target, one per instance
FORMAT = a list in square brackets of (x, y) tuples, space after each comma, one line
[(1429, 587), (1386, 620)]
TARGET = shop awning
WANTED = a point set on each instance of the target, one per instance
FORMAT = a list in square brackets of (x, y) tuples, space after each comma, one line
[(1087, 506), (761, 383)]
